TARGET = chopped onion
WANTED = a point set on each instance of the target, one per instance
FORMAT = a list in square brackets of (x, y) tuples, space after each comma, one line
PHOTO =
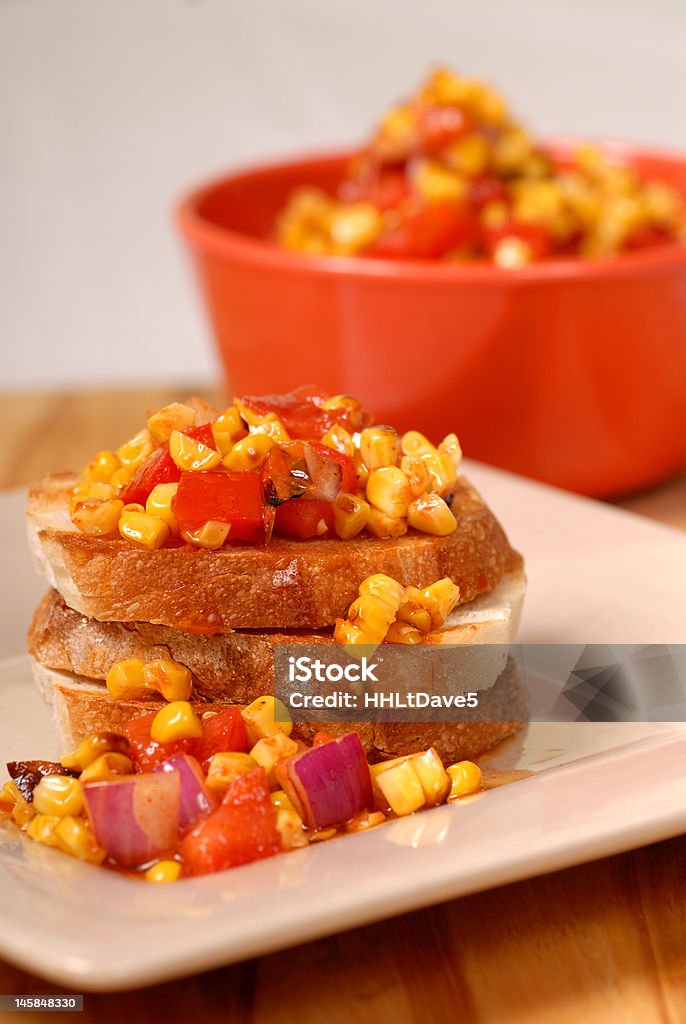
[(194, 800), (136, 817), (329, 784), (295, 469)]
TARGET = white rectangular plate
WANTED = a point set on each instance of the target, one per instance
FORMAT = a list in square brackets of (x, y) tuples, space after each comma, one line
[(595, 575)]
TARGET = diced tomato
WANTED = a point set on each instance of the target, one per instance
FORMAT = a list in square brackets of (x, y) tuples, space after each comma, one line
[(430, 232), (304, 519), (203, 434), (234, 498), (486, 189), (440, 125), (241, 830), (146, 752), (223, 732), (348, 471), (158, 468), (301, 413), (383, 187)]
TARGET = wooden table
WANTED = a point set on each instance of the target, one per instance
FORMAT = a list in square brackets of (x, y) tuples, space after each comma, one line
[(603, 943)]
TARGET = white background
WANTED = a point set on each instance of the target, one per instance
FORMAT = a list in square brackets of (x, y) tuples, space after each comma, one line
[(110, 109)]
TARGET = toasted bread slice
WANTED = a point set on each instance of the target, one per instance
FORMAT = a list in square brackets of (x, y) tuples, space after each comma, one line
[(282, 585)]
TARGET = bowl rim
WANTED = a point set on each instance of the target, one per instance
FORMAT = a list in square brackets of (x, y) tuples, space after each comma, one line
[(249, 249)]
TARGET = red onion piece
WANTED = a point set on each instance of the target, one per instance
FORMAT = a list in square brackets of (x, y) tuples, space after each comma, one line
[(135, 818), (194, 800), (330, 783)]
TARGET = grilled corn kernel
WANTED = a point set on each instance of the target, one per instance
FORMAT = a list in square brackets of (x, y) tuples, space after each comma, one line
[(126, 680), (354, 226), (441, 470), (372, 615), (382, 525), (143, 529), (350, 515), (271, 749), (281, 800), (22, 812), (465, 777), (352, 406), (107, 766), (133, 506), (249, 453), (450, 446), (440, 599), (432, 776), (225, 767), (413, 612), (227, 429), (42, 828), (172, 417), (8, 799), (418, 476), (176, 721), (347, 633), (436, 183), (289, 824), (265, 717), (272, 426), (91, 748), (190, 455), (100, 468), (122, 477), (512, 253), (469, 155), (384, 587), (211, 535), (58, 794), (85, 492), (137, 449), (164, 871), (430, 514), (75, 837), (172, 680), (363, 822), (403, 633), (360, 468), (159, 504), (401, 788), (340, 440), (388, 490), (414, 443), (379, 447), (97, 518)]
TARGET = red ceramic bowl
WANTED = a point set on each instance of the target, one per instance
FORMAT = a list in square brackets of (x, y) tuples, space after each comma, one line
[(572, 372)]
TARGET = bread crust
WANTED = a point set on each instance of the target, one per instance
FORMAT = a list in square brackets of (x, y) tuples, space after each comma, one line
[(282, 585)]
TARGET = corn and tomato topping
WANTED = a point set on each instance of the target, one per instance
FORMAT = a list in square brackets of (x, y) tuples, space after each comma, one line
[(305, 465), (451, 174), (386, 612)]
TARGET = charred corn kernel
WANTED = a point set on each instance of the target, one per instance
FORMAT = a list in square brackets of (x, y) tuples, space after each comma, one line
[(388, 490), (126, 680), (227, 429), (42, 828), (432, 776), (122, 477), (382, 525), (176, 721), (403, 633), (145, 530), (100, 468), (347, 633), (22, 812), (172, 680), (350, 515), (272, 426), (360, 468), (97, 518), (190, 455), (8, 799), (379, 446), (266, 716), (164, 871), (340, 440), (465, 778), (436, 183), (107, 766), (211, 535), (511, 253), (172, 417), (413, 612), (58, 794), (470, 156), (441, 470), (271, 749), (430, 514), (289, 825), (225, 767), (450, 446), (93, 747), (418, 476), (363, 822), (159, 504), (440, 599), (75, 837), (248, 415), (137, 449), (85, 492), (133, 506), (249, 453), (384, 587), (353, 226), (495, 214), (372, 615), (401, 788), (414, 443), (281, 800)]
